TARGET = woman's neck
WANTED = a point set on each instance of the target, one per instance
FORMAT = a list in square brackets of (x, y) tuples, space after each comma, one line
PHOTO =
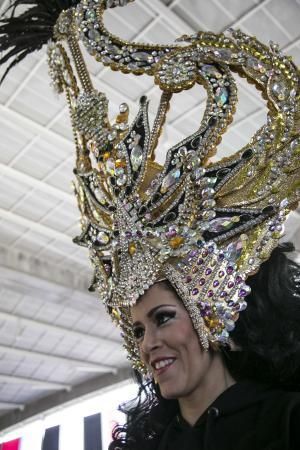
[(196, 403)]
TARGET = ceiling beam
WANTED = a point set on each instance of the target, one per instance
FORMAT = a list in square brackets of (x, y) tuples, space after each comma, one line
[(291, 228), (28, 274), (28, 77), (56, 359), (251, 116), (11, 421), (6, 406), (46, 231), (115, 13), (278, 23), (66, 259), (290, 45), (35, 226), (22, 177), (67, 332), (4, 6), (12, 116), (169, 16), (36, 384), (247, 14)]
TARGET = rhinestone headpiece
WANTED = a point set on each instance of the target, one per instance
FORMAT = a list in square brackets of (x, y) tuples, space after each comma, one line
[(203, 226)]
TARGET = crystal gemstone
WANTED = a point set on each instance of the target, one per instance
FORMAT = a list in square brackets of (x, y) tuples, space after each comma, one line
[(221, 96), (280, 90), (103, 238), (170, 180), (136, 157), (220, 224)]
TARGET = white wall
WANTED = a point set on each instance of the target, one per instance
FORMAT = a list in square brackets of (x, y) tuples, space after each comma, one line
[(70, 420)]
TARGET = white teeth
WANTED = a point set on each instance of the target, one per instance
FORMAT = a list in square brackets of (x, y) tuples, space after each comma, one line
[(163, 363)]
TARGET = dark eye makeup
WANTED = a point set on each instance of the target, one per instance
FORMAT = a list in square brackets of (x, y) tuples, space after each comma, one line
[(159, 318), (138, 332), (162, 317)]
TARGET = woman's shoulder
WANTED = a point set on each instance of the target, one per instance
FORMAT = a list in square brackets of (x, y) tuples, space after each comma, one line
[(281, 415), (278, 399), (272, 413), (286, 399), (272, 405)]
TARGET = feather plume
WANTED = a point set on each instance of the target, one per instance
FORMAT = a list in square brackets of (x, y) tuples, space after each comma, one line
[(22, 34)]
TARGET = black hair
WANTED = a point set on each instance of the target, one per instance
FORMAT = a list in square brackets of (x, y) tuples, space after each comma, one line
[(267, 341), (268, 331), (146, 418)]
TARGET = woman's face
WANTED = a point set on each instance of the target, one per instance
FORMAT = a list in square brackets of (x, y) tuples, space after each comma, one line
[(168, 343)]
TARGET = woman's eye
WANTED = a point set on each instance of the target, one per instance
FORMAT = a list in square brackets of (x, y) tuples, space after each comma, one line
[(163, 317), (138, 332)]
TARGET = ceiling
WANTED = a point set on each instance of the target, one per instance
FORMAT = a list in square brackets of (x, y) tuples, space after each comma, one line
[(54, 335)]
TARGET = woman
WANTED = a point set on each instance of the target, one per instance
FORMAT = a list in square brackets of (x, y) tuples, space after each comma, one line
[(237, 397), (203, 227)]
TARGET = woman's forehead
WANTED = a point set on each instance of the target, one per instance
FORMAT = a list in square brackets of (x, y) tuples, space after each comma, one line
[(159, 294)]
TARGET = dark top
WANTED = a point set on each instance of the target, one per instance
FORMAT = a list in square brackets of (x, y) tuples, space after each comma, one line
[(247, 416)]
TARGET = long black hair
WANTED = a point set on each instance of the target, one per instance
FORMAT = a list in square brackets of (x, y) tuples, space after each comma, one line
[(268, 331), (267, 337)]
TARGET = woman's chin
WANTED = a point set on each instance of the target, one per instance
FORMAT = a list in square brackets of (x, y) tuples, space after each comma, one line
[(168, 393)]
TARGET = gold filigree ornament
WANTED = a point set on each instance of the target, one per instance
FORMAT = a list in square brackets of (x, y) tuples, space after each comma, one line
[(203, 226)]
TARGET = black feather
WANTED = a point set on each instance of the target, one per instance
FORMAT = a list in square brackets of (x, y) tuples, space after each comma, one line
[(21, 56), (23, 34)]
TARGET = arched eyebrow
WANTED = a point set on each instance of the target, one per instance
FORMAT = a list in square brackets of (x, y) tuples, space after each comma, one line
[(151, 313)]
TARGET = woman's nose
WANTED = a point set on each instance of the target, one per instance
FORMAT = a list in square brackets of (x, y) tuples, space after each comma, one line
[(150, 341)]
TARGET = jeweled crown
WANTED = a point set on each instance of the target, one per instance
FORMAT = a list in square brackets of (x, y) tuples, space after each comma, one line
[(204, 226)]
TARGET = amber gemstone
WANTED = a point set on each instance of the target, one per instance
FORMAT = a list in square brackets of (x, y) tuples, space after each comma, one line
[(176, 242), (120, 163), (116, 315), (106, 156), (213, 323), (132, 248)]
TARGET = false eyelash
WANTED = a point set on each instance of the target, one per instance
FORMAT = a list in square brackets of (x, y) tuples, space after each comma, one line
[(168, 314)]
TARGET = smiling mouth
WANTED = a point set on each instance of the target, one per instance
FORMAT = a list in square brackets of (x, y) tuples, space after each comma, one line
[(163, 365)]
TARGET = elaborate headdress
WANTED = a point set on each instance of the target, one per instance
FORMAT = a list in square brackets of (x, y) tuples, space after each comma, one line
[(203, 226)]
